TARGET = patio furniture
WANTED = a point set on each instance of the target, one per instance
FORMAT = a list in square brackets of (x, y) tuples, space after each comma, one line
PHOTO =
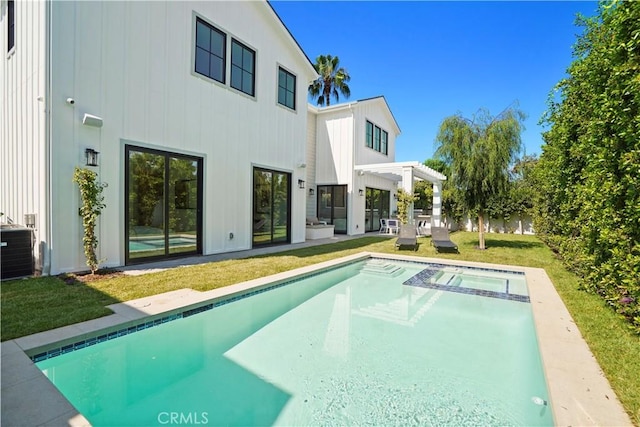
[(423, 228), (383, 226), (317, 229), (393, 225), (315, 221), (440, 239), (407, 237)]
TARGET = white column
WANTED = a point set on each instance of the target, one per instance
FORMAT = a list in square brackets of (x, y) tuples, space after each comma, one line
[(407, 185), (436, 214)]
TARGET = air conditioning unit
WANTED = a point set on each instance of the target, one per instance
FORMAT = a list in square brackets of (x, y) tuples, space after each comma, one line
[(16, 251)]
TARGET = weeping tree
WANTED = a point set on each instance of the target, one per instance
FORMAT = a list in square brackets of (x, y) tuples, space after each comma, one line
[(480, 152), (332, 81)]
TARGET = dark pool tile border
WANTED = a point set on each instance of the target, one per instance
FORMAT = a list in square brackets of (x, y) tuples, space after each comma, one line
[(57, 351), (462, 267), (471, 291)]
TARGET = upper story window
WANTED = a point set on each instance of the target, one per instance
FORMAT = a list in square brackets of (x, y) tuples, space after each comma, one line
[(211, 46), (286, 88), (384, 142), (11, 19), (377, 138), (242, 67), (369, 137)]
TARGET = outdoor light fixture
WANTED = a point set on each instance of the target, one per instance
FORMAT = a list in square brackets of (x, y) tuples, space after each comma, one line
[(395, 196), (312, 191), (92, 157), (300, 183), (361, 192), (30, 220)]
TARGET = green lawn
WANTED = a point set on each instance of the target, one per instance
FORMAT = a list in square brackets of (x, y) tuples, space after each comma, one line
[(39, 304)]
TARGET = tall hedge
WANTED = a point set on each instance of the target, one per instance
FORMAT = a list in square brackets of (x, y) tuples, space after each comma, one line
[(588, 205)]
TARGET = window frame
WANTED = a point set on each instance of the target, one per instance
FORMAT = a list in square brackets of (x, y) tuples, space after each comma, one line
[(279, 86), (368, 134), (11, 25), (384, 142), (212, 28), (376, 138), (244, 47)]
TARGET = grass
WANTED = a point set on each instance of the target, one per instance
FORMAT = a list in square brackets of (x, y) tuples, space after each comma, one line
[(38, 304)]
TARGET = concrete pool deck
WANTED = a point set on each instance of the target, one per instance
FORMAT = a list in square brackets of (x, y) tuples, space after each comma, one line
[(578, 390)]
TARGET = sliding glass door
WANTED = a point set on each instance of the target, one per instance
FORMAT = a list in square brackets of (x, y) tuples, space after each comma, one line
[(332, 206), (377, 207), (271, 207), (163, 204)]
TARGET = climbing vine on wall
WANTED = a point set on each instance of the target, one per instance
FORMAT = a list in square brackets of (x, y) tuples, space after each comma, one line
[(90, 208)]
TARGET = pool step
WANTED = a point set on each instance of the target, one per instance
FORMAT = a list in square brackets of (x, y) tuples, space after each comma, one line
[(381, 267), (400, 311)]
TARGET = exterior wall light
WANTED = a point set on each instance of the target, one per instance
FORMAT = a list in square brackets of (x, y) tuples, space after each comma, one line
[(300, 183), (30, 220), (92, 157), (361, 192), (312, 191)]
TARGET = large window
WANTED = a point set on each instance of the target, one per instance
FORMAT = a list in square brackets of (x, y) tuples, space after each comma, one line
[(332, 206), (242, 67), (377, 208), (286, 89), (163, 204), (271, 207), (210, 51), (11, 19), (377, 138)]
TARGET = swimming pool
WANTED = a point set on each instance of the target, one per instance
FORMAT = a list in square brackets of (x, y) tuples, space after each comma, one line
[(374, 342)]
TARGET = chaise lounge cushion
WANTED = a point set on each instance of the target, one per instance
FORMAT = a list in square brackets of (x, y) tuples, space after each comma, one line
[(315, 221)]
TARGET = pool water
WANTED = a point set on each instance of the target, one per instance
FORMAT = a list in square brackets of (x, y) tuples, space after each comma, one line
[(375, 342), (149, 244)]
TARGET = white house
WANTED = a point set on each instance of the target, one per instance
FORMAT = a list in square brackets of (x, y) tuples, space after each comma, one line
[(352, 173), (197, 110)]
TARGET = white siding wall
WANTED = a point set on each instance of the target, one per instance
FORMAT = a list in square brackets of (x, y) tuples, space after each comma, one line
[(376, 111), (340, 145), (334, 147), (23, 161), (130, 63)]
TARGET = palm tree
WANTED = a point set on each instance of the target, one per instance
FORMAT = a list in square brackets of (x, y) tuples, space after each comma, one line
[(480, 152), (333, 79)]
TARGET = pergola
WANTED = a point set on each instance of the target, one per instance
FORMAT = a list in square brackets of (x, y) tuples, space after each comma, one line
[(406, 173)]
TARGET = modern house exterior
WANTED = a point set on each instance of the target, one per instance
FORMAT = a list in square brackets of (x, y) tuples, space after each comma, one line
[(353, 177), (197, 110)]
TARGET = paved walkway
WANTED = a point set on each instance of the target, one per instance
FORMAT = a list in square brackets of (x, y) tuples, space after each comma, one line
[(151, 267)]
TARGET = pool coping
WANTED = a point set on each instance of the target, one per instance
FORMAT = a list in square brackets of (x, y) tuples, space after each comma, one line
[(579, 391)]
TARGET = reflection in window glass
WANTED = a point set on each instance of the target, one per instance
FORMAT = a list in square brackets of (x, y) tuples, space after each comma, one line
[(286, 89), (210, 51), (242, 67)]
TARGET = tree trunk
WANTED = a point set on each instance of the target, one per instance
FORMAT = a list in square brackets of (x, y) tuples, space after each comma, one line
[(481, 230)]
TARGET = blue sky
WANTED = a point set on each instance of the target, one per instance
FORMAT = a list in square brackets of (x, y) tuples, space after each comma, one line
[(435, 59)]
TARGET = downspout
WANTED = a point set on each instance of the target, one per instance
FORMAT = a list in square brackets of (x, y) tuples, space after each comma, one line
[(350, 212), (45, 247)]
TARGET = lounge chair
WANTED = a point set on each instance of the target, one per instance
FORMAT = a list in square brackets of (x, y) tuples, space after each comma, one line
[(407, 237), (440, 239)]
